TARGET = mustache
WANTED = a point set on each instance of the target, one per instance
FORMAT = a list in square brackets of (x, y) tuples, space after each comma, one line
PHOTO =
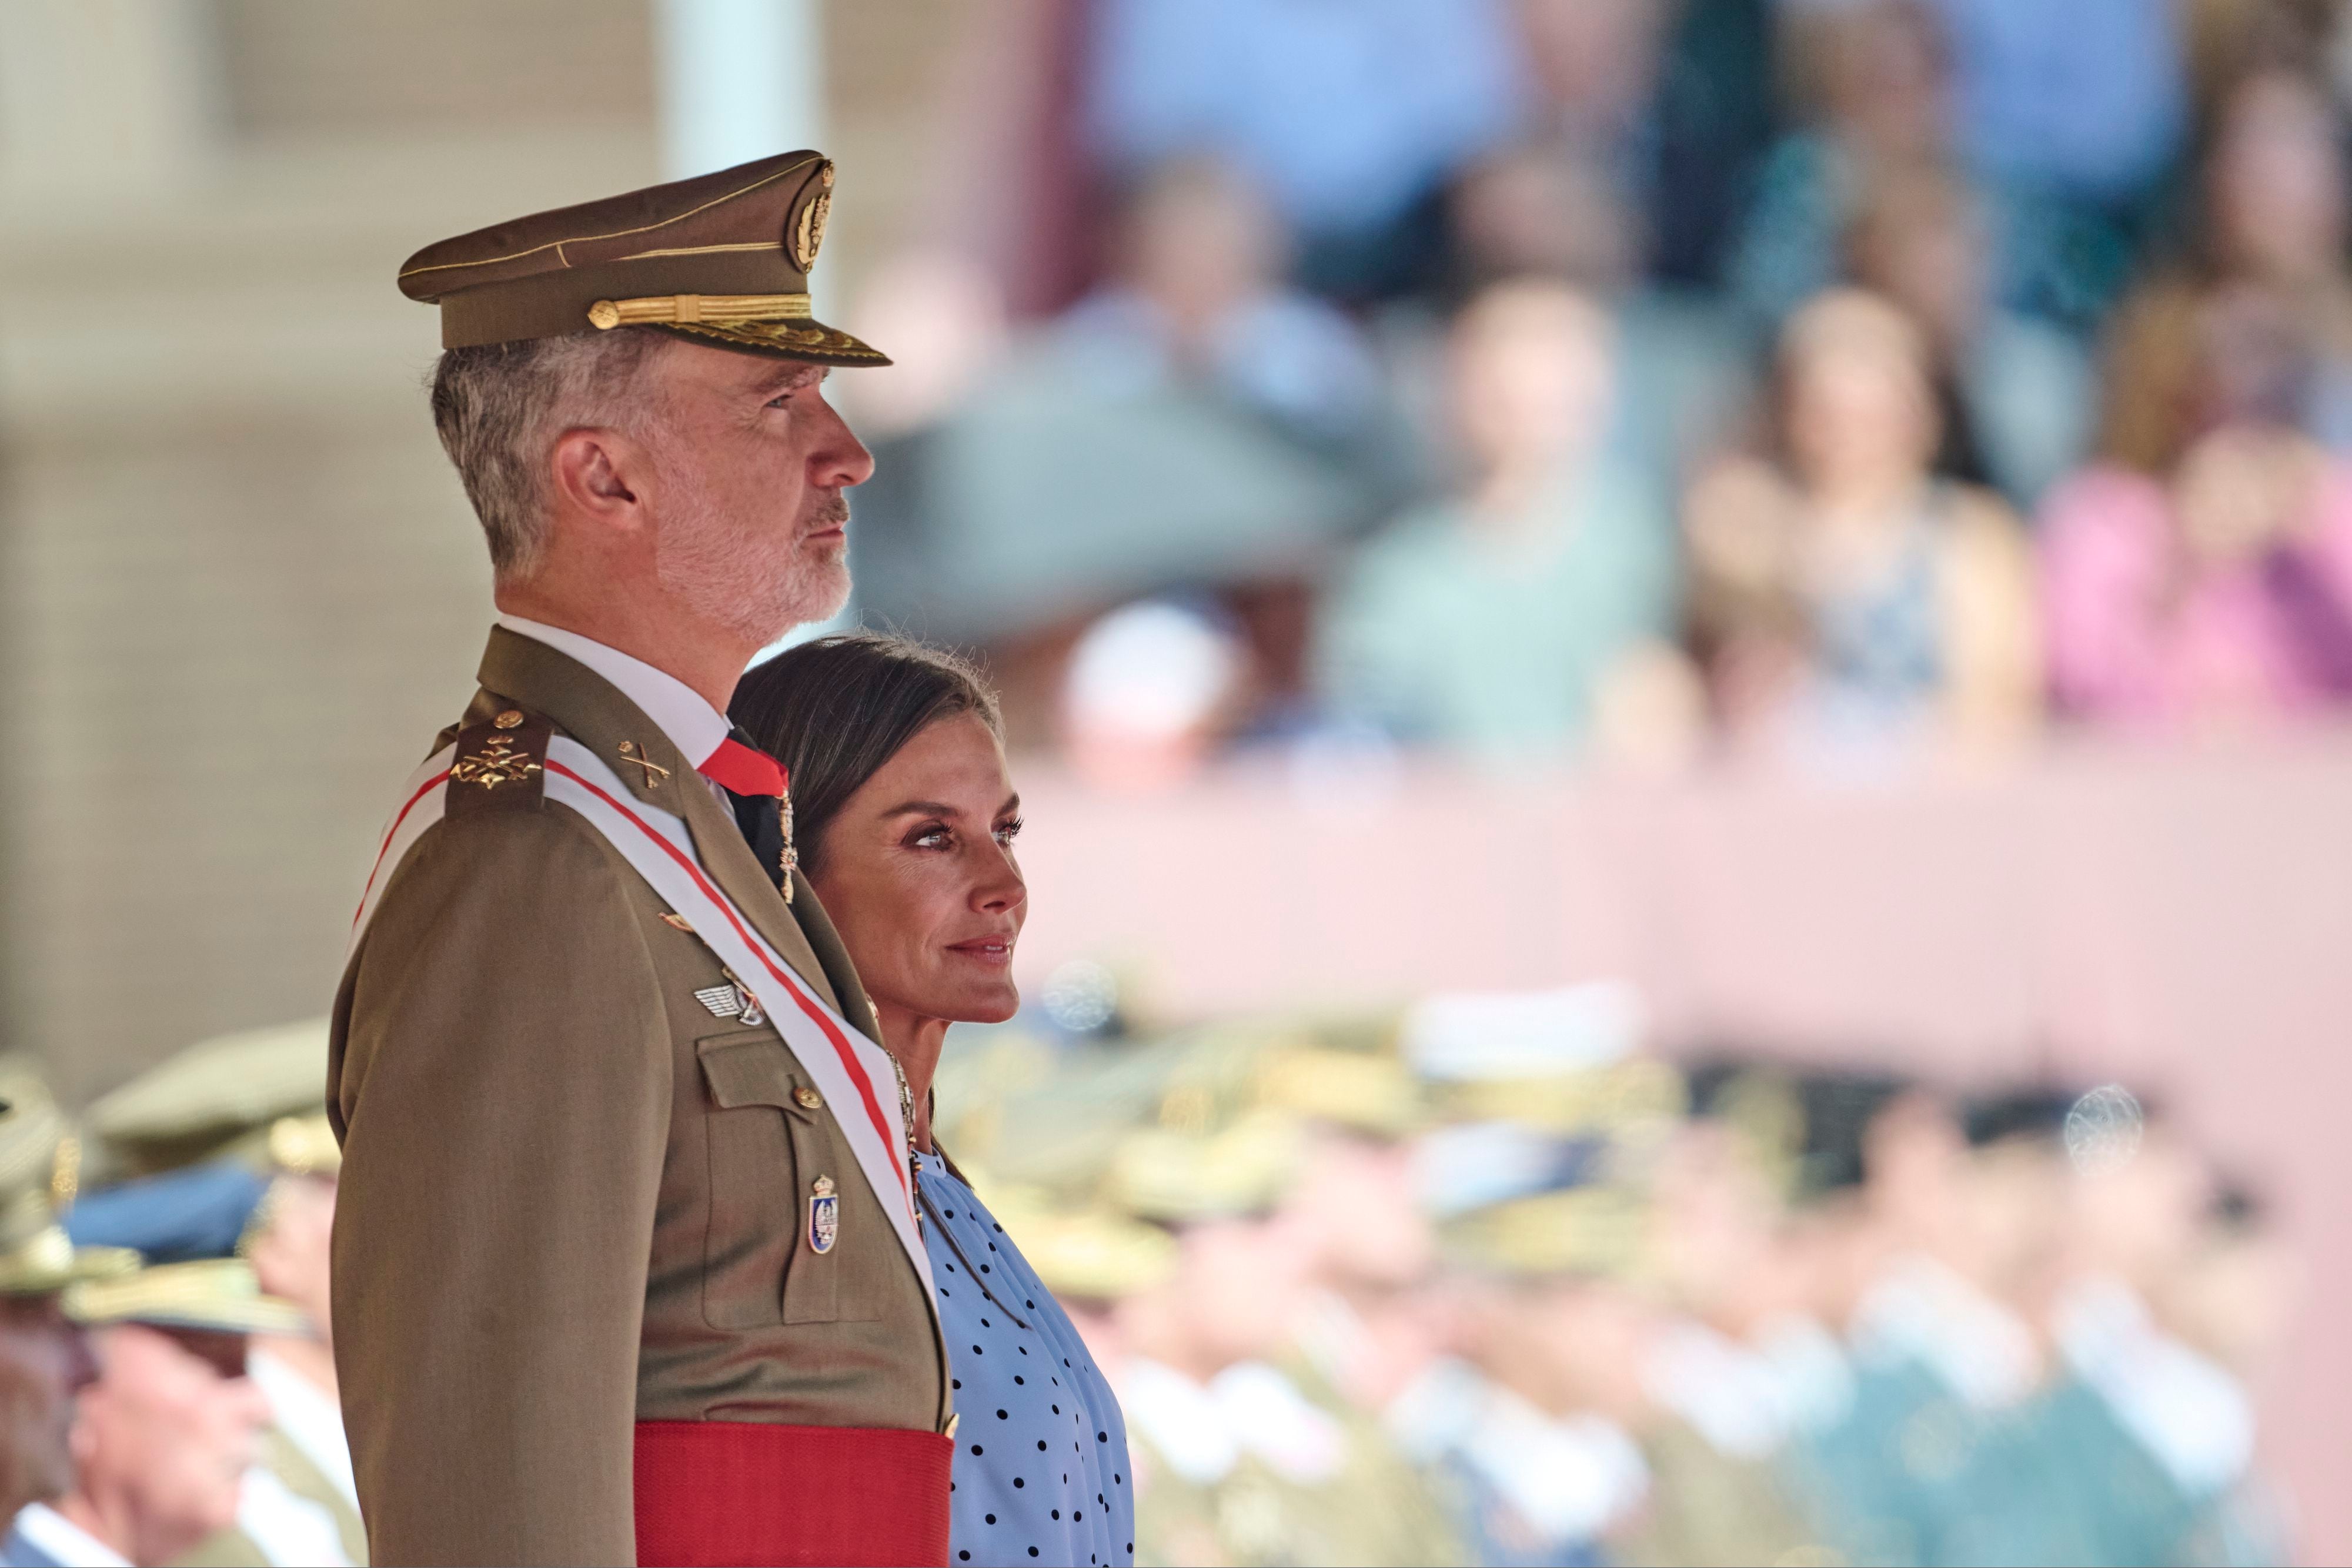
[(831, 513)]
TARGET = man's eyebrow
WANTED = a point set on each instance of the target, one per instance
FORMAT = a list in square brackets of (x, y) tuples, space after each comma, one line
[(791, 375)]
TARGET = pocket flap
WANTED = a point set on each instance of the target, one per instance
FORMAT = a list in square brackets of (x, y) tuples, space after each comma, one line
[(750, 1068)]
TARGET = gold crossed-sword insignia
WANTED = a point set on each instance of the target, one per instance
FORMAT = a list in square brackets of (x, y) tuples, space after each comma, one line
[(629, 753)]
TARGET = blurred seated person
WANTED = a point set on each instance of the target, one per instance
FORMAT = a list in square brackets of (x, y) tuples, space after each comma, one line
[(1349, 116), (1194, 426), (1850, 596), (1529, 1422), (1881, 93), (1236, 1464), (1544, 210), (243, 1106), (163, 1441), (2276, 228), (45, 1355), (1196, 292), (2218, 585), (2014, 393), (1490, 622)]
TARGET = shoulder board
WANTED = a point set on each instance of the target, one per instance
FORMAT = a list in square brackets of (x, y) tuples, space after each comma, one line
[(500, 763)]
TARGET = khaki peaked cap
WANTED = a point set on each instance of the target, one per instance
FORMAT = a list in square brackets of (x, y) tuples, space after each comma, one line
[(722, 259)]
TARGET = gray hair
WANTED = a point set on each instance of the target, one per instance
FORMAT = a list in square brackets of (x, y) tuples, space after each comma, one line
[(497, 408)]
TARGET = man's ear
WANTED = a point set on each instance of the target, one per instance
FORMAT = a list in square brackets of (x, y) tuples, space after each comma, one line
[(592, 468)]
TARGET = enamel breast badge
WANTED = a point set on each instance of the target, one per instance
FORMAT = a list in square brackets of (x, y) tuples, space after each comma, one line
[(824, 1216)]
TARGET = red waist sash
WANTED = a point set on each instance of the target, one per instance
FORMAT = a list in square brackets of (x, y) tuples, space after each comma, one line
[(738, 1492)]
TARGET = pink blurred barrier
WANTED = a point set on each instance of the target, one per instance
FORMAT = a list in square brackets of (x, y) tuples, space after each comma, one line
[(2177, 918)]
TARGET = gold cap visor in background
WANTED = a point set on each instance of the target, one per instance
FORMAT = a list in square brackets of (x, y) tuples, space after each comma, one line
[(722, 259), (215, 1296)]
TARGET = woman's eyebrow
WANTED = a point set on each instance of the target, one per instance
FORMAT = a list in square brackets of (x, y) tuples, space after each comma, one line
[(1011, 803), (923, 808)]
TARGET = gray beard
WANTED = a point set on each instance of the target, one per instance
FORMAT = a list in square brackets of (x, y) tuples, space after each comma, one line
[(758, 586)]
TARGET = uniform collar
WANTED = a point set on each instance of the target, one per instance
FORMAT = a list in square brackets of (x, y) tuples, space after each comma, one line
[(691, 724), (65, 1542)]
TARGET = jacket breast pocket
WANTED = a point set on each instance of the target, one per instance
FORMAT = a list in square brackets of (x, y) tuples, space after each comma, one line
[(770, 1139)]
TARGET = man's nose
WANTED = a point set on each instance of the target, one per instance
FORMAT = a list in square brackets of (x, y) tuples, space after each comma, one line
[(841, 459)]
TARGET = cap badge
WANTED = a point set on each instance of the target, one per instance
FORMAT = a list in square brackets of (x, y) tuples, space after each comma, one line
[(733, 1001), (824, 1216), (808, 232)]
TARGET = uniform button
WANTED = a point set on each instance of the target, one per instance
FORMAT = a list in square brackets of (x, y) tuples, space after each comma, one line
[(511, 719), (808, 1099)]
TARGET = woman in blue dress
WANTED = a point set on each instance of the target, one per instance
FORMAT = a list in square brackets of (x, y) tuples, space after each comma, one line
[(905, 822)]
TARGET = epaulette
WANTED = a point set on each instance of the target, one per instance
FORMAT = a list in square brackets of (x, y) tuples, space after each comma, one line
[(501, 763)]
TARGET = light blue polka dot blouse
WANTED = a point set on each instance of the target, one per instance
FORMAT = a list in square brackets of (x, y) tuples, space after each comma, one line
[(1041, 1471)]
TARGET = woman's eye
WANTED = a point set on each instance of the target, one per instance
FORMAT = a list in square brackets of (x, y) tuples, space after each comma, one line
[(930, 839), (1008, 832)]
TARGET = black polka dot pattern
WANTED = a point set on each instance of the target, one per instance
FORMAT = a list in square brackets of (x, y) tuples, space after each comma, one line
[(995, 1514)]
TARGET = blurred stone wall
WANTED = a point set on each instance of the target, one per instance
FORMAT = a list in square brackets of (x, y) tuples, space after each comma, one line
[(239, 586)]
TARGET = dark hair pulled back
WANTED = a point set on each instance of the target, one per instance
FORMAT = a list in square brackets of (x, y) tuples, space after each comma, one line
[(834, 710)]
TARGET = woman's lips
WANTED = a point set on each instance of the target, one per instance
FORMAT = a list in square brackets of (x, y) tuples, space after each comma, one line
[(997, 950)]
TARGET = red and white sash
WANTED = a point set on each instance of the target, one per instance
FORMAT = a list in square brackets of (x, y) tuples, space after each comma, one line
[(850, 1070)]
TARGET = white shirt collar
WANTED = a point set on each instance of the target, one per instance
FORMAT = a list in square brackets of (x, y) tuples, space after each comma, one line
[(309, 1417), (67, 1541), (693, 725)]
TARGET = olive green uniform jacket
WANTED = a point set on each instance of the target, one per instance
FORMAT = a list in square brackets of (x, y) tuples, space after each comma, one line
[(573, 1199)]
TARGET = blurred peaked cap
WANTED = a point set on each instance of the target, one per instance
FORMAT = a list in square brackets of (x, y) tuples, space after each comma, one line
[(1593, 1233), (1362, 1092), (219, 1296), (1094, 1255), (35, 1159), (722, 259), (203, 1211), (32, 1128), (1478, 1164), (1635, 1091), (224, 1095), (1476, 1036), (1165, 1174)]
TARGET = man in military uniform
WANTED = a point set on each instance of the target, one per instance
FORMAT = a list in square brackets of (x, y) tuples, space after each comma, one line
[(626, 1263), (45, 1359), (259, 1185), (163, 1440), (1235, 1462)]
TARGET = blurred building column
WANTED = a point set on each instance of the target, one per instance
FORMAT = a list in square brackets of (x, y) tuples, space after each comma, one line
[(742, 79), (101, 95), (739, 79)]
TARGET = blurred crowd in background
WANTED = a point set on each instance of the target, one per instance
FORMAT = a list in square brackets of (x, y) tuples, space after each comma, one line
[(1638, 379), (1485, 1281)]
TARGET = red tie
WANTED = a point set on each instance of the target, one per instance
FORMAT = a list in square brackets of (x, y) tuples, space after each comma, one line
[(744, 770)]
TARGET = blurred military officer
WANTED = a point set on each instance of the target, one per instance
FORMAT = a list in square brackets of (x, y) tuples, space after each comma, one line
[(1236, 1464), (262, 1188), (626, 1257), (163, 1440), (45, 1359)]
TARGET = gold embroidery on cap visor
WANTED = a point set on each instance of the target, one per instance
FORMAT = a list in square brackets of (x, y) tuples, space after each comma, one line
[(775, 321)]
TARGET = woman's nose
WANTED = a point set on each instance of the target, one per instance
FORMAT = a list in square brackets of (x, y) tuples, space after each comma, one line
[(1002, 888)]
